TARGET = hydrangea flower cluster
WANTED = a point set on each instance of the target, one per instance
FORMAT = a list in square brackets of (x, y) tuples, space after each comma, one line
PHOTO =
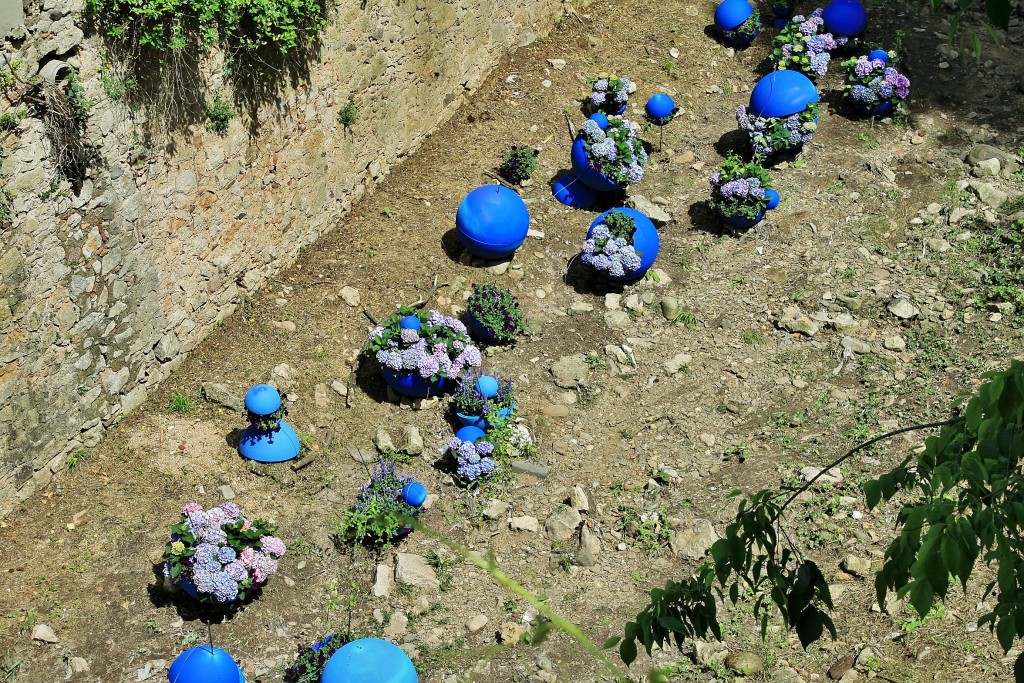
[(441, 347), (610, 93), (616, 151), (769, 135), (610, 246), (745, 32), (870, 82), (801, 46), (737, 189), (225, 556), (472, 459)]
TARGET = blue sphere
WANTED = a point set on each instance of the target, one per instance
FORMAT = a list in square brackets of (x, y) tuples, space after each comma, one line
[(646, 242), (487, 386), (879, 54), (369, 659), (845, 17), (731, 13), (410, 322), (571, 191), (773, 198), (262, 399), (600, 118), (470, 434), (782, 93), (204, 664), (492, 221), (659, 107), (414, 493)]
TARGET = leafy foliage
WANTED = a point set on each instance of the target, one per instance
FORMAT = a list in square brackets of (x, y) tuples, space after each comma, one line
[(518, 164), (349, 114), (497, 311), (380, 514), (219, 113)]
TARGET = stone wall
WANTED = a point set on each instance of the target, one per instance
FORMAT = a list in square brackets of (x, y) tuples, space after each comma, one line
[(105, 288)]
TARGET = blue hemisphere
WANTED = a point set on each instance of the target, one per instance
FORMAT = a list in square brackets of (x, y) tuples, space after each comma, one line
[(731, 13), (262, 399), (782, 93), (369, 659), (204, 664), (773, 198), (487, 386), (492, 221), (470, 434), (660, 106), (600, 118), (410, 322), (571, 191), (845, 17), (879, 54), (646, 242)]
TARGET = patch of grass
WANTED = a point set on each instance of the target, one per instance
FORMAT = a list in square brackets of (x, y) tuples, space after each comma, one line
[(869, 142), (1011, 206), (348, 114), (181, 402), (836, 187), (596, 362), (77, 458), (670, 68), (219, 113), (443, 568), (389, 212), (686, 318), (650, 531), (753, 338)]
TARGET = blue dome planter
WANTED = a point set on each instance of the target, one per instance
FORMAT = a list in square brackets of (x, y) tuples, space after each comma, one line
[(369, 660), (267, 439), (600, 118), (492, 221), (880, 55), (482, 423), (730, 16), (782, 93), (469, 433), (646, 242), (478, 330), (204, 664), (845, 18), (571, 191), (586, 173), (883, 108), (409, 383)]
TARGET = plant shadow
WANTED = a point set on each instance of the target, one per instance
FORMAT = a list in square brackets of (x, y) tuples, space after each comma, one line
[(186, 606)]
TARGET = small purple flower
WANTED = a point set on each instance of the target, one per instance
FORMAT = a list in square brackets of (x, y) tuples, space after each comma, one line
[(409, 336), (428, 366), (205, 552), (237, 571), (597, 98), (601, 85), (484, 447)]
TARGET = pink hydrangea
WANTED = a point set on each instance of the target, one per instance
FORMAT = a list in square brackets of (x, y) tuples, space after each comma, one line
[(191, 508), (273, 545)]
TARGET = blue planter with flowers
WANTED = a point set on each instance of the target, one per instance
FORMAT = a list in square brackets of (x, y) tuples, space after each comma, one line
[(268, 438), (874, 84), (783, 112), (483, 400), (608, 157), (741, 193), (621, 245), (610, 95), (738, 21), (587, 174)]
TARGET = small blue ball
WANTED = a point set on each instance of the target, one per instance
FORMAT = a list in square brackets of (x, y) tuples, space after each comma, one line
[(773, 198), (879, 54), (600, 118), (487, 386), (470, 434), (262, 399), (410, 322), (414, 493), (659, 107)]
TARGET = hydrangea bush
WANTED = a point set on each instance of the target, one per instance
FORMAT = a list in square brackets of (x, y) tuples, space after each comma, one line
[(497, 311), (870, 82), (738, 188), (610, 93), (745, 32), (769, 135), (225, 556), (380, 514), (610, 246), (469, 401), (801, 46), (440, 348), (472, 459), (616, 151)]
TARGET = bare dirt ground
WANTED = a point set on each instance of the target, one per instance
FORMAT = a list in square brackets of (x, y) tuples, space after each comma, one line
[(748, 405)]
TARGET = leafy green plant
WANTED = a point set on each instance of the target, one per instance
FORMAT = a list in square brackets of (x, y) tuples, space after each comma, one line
[(6, 207), (518, 164), (738, 188), (497, 311), (77, 458), (349, 114), (80, 104), (219, 113), (9, 120), (181, 402), (380, 514)]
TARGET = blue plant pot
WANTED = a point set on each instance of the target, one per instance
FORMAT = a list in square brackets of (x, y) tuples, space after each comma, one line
[(276, 446), (205, 664), (492, 221), (845, 18), (732, 13), (477, 421), (369, 659), (742, 222), (571, 191), (883, 108), (478, 330), (782, 93), (782, 11), (409, 383), (645, 241), (740, 41), (587, 174)]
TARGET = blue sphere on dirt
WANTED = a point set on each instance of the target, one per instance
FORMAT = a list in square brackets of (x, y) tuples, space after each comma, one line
[(492, 221)]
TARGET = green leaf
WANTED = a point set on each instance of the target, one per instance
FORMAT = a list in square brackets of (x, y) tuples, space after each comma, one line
[(998, 12), (1006, 632), (872, 493), (810, 626), (1018, 669), (627, 651), (921, 597), (611, 642)]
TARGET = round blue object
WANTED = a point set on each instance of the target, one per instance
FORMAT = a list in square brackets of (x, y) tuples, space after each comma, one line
[(600, 118), (487, 386), (477, 329), (731, 13), (369, 659), (782, 11), (659, 108), (587, 174), (414, 493), (477, 421), (645, 241), (883, 108), (773, 198), (492, 221), (276, 446), (262, 399), (782, 93), (410, 322), (879, 54), (571, 191), (204, 664), (470, 434), (409, 383), (845, 17)]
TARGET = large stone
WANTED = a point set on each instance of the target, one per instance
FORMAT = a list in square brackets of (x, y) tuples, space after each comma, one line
[(855, 345), (570, 372), (903, 309), (495, 509), (167, 348), (579, 499), (218, 393), (980, 154), (412, 442), (745, 663), (693, 540), (793, 320), (383, 581), (397, 626), (648, 208), (561, 525), (988, 194), (677, 363), (858, 566), (414, 570), (590, 548), (617, 320), (44, 633), (524, 523), (383, 441), (350, 295)]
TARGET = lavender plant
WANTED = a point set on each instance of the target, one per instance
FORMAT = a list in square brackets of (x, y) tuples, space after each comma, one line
[(737, 189), (380, 514), (472, 459), (769, 135), (311, 659), (801, 46), (869, 82), (440, 348), (519, 163), (745, 32), (225, 556), (610, 93), (497, 311), (616, 151), (469, 401), (610, 246)]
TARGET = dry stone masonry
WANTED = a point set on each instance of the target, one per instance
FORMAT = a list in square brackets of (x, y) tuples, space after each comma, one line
[(105, 287)]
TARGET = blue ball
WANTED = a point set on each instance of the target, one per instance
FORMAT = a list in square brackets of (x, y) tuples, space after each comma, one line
[(600, 118), (410, 322), (470, 434), (262, 399), (731, 13), (571, 191), (660, 106), (414, 493), (646, 242), (773, 198), (369, 659), (204, 664), (845, 17), (782, 93), (487, 386), (879, 54), (492, 221)]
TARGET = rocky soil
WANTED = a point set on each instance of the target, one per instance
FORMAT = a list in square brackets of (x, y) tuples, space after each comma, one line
[(751, 360)]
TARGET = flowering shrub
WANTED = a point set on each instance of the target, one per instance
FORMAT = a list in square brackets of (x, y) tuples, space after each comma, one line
[(224, 555), (441, 347), (610, 247), (472, 459), (519, 163), (610, 93), (380, 514), (497, 311), (469, 401), (738, 188), (745, 32), (311, 659), (800, 47), (870, 82), (778, 134), (616, 151)]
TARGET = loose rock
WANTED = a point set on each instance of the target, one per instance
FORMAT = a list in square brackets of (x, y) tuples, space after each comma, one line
[(903, 309), (44, 633), (221, 395), (475, 623), (412, 442), (524, 523), (793, 320), (350, 295), (590, 548), (414, 570), (745, 663), (570, 371), (562, 524), (694, 540)]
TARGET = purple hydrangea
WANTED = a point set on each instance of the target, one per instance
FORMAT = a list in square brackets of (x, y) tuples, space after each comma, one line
[(870, 82), (226, 554), (471, 459), (273, 545)]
